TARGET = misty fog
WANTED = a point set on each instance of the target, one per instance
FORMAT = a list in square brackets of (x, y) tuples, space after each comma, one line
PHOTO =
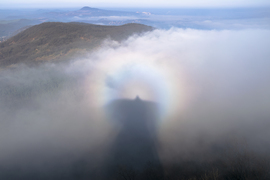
[(212, 90)]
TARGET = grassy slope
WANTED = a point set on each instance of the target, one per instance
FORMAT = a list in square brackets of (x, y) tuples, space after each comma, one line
[(56, 41)]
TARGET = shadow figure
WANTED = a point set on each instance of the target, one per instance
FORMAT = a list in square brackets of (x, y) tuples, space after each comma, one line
[(134, 151)]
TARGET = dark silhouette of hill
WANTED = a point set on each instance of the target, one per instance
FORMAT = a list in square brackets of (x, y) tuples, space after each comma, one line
[(135, 147), (60, 41), (90, 12), (86, 8)]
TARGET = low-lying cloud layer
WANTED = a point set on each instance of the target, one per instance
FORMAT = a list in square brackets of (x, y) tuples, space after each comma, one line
[(212, 88)]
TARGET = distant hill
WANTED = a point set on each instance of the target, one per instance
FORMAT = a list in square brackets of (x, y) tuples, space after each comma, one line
[(86, 8), (89, 12), (53, 41)]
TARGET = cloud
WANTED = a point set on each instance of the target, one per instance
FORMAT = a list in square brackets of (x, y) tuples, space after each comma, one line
[(211, 86)]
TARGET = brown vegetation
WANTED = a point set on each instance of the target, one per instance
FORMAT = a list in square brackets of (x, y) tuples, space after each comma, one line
[(57, 41)]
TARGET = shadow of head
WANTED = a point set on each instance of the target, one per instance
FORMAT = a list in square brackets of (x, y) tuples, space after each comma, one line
[(135, 114)]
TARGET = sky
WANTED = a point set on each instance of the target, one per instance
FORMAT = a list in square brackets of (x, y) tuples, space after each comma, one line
[(134, 3)]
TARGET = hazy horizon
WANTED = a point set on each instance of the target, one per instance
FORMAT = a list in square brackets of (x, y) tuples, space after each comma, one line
[(136, 4)]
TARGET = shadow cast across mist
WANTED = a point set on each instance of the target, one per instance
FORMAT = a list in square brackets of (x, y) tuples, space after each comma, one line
[(134, 150)]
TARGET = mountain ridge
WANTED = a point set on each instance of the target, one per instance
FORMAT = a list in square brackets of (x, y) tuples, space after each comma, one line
[(51, 41)]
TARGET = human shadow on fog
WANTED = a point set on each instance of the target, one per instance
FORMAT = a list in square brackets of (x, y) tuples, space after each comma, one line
[(135, 147)]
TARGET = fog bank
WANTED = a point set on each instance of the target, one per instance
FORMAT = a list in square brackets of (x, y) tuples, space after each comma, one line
[(211, 87)]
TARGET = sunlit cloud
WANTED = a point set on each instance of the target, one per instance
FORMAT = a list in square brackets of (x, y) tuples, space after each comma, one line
[(202, 81)]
